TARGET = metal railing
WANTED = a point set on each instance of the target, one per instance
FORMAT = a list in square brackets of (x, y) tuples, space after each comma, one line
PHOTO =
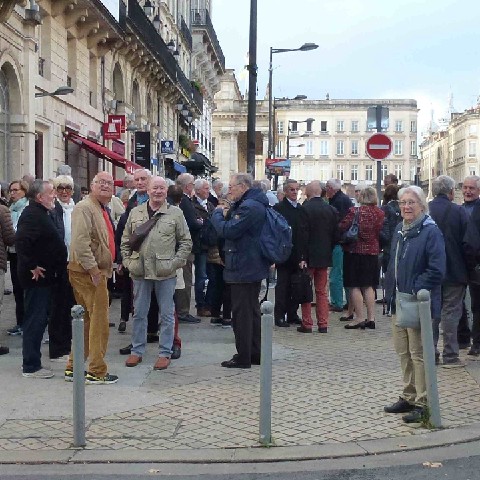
[(197, 98), (201, 19), (185, 31)]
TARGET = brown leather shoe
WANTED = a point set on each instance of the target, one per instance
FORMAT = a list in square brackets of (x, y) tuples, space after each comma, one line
[(162, 363), (133, 361), (204, 312)]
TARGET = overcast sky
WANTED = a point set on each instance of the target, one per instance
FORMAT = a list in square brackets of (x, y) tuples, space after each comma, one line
[(420, 49)]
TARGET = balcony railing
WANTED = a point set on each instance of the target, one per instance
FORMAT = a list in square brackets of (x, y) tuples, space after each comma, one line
[(201, 19), (144, 29), (197, 99), (185, 31)]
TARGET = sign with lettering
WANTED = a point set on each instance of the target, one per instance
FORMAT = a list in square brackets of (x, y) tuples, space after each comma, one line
[(142, 149)]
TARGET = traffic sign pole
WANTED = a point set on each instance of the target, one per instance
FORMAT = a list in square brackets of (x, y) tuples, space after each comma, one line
[(379, 162)]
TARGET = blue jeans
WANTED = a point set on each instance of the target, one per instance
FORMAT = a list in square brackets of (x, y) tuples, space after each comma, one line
[(142, 294), (336, 277), (200, 278), (37, 302)]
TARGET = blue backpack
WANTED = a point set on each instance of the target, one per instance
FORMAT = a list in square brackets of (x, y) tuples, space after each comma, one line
[(276, 237)]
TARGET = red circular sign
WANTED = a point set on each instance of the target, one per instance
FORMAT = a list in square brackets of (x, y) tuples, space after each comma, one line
[(379, 146)]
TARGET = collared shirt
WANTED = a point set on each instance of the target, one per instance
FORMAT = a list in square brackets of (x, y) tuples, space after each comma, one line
[(203, 203), (294, 204)]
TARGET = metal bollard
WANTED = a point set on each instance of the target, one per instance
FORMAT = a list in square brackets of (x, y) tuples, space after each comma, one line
[(423, 297), (78, 376), (265, 426)]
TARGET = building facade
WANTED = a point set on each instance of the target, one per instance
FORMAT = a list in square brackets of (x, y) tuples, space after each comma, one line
[(323, 138), (122, 57)]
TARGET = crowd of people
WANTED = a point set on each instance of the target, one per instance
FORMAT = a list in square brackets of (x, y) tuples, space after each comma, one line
[(156, 239)]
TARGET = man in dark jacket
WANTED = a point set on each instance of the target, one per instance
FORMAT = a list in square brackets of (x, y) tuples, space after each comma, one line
[(245, 267), (452, 221), (295, 216), (42, 255), (322, 221), (342, 204)]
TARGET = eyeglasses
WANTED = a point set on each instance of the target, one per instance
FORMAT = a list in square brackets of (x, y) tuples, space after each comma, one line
[(407, 203), (12, 190), (64, 188), (104, 183)]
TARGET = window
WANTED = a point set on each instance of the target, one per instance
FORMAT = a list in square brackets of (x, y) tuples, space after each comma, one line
[(324, 147), (340, 147), (308, 172), (280, 127), (309, 147), (398, 171), (472, 130), (295, 171), (279, 149), (413, 148), (323, 126), (354, 145), (354, 125), (294, 126), (93, 79), (398, 126), (354, 172), (340, 172), (384, 171), (369, 172), (471, 170), (324, 172), (413, 173), (72, 52), (340, 125), (398, 147), (472, 149), (309, 125), (413, 126)]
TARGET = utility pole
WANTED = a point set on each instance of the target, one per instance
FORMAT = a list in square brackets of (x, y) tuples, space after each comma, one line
[(252, 89)]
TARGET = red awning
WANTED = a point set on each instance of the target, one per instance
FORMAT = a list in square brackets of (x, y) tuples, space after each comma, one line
[(103, 152)]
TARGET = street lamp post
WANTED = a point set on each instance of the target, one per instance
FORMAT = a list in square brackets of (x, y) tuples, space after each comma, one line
[(304, 48), (58, 91), (252, 88)]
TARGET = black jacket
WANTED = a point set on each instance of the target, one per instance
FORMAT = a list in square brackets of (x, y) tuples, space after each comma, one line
[(452, 221), (322, 220), (342, 203), (190, 215), (204, 215), (297, 219), (38, 244), (57, 218)]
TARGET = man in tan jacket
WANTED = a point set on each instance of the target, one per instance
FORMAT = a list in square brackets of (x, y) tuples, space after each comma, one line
[(92, 252)]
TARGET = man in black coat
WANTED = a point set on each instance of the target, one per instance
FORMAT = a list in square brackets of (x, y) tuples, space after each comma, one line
[(322, 220), (295, 216), (342, 204), (42, 256)]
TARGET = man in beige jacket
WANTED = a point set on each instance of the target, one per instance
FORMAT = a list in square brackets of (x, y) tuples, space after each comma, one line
[(92, 251), (153, 267)]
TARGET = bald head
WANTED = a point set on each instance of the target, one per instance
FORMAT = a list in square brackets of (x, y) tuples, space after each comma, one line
[(314, 189)]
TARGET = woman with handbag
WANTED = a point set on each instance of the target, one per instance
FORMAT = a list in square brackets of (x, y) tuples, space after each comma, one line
[(361, 270), (417, 261)]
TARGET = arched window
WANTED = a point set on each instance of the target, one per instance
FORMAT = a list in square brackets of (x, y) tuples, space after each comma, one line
[(136, 98), (4, 125), (118, 89)]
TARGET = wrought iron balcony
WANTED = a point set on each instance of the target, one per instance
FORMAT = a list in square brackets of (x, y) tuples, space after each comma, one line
[(201, 20), (185, 31), (197, 98)]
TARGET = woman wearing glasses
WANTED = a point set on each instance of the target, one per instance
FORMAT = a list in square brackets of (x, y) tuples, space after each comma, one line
[(418, 258), (59, 326), (18, 201)]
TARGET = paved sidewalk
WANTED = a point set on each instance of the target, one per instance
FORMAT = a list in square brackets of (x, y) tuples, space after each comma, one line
[(328, 396)]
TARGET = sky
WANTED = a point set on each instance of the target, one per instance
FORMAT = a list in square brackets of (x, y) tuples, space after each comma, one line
[(425, 50)]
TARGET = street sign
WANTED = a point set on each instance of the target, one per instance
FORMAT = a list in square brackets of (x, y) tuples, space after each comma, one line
[(167, 146), (378, 146), (142, 149), (111, 131), (118, 119)]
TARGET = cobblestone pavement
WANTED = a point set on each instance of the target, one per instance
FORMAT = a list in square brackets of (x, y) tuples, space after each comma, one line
[(327, 389)]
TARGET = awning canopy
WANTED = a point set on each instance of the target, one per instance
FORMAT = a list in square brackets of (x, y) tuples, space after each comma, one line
[(178, 167), (103, 152), (199, 164)]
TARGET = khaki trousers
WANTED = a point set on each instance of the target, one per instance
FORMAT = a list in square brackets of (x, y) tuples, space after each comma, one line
[(408, 345), (95, 302)]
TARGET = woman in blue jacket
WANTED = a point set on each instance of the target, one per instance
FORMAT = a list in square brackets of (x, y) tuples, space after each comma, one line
[(419, 250)]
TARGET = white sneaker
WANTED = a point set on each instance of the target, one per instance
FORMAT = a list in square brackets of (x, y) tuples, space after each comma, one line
[(42, 373)]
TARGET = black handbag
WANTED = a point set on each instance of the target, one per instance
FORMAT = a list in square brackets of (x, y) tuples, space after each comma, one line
[(141, 232), (351, 235), (301, 283)]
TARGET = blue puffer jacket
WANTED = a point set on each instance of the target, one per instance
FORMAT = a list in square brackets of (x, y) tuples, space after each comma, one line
[(421, 262), (244, 262)]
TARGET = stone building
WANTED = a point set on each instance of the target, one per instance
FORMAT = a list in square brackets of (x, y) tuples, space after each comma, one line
[(121, 57), (324, 138), (452, 151)]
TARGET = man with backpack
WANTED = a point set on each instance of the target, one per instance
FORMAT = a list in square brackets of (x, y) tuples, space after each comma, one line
[(245, 265), (294, 213)]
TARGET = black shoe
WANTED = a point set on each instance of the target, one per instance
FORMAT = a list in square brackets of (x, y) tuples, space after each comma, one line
[(122, 326), (111, 324), (370, 324), (463, 345), (352, 326), (216, 321), (474, 351), (379, 301), (7, 291), (322, 329), (233, 363), (303, 329), (402, 406), (333, 308), (415, 416), (226, 323), (255, 361), (295, 321), (437, 358), (188, 319), (346, 318), (281, 323), (4, 350), (126, 350), (152, 338), (176, 352)]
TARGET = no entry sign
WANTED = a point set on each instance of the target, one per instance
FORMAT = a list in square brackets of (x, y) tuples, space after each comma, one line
[(379, 146)]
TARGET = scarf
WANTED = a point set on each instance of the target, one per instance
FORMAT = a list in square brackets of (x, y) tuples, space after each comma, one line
[(67, 222), (406, 227), (16, 210)]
